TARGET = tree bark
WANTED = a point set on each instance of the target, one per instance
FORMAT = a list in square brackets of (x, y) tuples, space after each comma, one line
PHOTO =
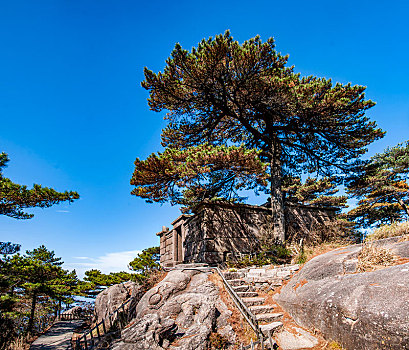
[(33, 306), (277, 202), (404, 206)]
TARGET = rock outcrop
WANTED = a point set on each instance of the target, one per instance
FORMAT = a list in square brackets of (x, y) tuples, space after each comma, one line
[(113, 297), (359, 310), (179, 314)]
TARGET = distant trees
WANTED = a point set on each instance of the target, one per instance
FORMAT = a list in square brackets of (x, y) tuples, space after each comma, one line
[(143, 266), (382, 187), (95, 281), (223, 93), (14, 198), (146, 262)]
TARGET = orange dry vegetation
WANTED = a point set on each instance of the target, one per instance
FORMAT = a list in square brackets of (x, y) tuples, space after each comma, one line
[(240, 326), (300, 284)]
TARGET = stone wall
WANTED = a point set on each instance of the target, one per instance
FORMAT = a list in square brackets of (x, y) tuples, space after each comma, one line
[(218, 231), (166, 247)]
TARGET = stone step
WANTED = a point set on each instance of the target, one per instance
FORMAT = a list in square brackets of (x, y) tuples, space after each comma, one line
[(269, 317), (191, 265), (243, 288), (273, 326), (253, 301), (231, 275), (247, 294), (262, 309), (236, 282)]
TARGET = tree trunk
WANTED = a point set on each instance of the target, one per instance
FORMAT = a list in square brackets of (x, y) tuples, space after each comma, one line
[(33, 306), (277, 202), (404, 206)]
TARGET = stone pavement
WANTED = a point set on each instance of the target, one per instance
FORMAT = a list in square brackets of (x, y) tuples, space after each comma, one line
[(58, 337)]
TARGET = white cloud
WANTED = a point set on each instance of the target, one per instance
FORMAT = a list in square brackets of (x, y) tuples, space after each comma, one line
[(110, 262), (62, 211)]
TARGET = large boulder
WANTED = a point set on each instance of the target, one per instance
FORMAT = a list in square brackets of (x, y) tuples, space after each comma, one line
[(179, 313), (112, 298), (368, 310)]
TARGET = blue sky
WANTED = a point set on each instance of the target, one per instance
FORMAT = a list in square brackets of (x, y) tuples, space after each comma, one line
[(73, 114)]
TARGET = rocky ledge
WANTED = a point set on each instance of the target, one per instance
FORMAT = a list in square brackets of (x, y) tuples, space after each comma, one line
[(368, 310), (179, 313)]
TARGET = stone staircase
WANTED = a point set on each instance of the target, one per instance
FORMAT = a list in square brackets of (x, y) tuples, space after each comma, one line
[(244, 284), (247, 283)]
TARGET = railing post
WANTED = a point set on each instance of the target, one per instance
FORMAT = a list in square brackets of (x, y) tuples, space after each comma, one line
[(85, 341), (103, 326), (97, 326), (92, 338), (270, 339)]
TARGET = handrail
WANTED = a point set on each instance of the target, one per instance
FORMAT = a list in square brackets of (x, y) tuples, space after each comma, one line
[(248, 315), (96, 327)]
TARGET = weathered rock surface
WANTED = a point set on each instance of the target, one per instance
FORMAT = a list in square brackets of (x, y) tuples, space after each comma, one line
[(298, 338), (111, 298), (179, 314), (362, 311)]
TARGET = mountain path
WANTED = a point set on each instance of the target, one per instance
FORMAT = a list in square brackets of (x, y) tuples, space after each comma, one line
[(58, 337)]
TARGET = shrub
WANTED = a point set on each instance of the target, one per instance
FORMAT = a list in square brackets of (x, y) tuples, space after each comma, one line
[(217, 342), (392, 230), (371, 258), (274, 254)]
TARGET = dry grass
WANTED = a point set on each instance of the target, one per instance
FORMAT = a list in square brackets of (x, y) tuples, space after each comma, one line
[(311, 251), (392, 230), (373, 258), (240, 326)]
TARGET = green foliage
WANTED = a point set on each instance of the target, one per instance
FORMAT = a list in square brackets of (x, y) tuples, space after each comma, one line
[(36, 276), (15, 198), (226, 93), (7, 248), (194, 174), (96, 279), (268, 255), (382, 187), (319, 192), (146, 262), (144, 265)]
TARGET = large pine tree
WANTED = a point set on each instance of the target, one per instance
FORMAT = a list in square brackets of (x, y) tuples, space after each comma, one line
[(223, 92)]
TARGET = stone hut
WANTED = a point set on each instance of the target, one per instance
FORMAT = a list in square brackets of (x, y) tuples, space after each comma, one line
[(219, 230)]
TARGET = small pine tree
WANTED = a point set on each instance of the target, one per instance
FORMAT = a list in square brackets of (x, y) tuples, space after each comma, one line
[(382, 187)]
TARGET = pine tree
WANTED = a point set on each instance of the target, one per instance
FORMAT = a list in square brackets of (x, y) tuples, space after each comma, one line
[(194, 174), (382, 187), (38, 273), (15, 198), (318, 192), (226, 93)]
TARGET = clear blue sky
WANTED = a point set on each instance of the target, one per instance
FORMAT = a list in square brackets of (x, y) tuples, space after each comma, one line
[(73, 114)]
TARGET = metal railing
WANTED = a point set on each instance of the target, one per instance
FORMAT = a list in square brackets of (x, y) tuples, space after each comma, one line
[(75, 316), (249, 317), (93, 336)]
